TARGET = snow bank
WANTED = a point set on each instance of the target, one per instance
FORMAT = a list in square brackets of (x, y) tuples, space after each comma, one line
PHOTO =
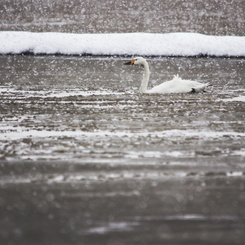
[(171, 44)]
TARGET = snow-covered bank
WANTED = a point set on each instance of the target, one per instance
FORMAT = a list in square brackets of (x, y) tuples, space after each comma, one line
[(171, 44)]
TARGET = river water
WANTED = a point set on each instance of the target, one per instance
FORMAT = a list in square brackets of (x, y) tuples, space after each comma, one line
[(90, 16), (86, 159)]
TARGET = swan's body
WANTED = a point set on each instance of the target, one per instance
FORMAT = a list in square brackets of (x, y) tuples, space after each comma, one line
[(176, 85)]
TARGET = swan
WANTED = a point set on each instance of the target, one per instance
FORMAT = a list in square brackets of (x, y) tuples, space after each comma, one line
[(176, 85)]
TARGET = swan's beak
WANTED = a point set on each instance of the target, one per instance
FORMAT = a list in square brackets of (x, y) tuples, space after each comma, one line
[(131, 62)]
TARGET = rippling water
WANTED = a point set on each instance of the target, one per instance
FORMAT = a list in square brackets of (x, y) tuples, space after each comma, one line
[(90, 101), (87, 159)]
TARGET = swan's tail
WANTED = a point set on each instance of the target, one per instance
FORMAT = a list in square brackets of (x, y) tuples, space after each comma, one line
[(177, 77), (200, 88)]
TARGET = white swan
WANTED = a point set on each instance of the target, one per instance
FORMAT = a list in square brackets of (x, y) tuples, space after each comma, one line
[(177, 85)]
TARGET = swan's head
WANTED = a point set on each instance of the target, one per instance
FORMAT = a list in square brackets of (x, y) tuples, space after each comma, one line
[(136, 61)]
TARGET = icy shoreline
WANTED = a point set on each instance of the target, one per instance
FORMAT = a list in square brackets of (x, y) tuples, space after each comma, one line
[(145, 44)]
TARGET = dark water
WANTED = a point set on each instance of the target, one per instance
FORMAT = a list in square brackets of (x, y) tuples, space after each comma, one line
[(86, 159), (90, 16)]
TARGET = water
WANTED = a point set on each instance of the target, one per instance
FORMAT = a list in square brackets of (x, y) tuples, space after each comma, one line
[(208, 17), (86, 159)]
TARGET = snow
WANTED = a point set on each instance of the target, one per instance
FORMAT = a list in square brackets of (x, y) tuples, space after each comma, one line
[(168, 44)]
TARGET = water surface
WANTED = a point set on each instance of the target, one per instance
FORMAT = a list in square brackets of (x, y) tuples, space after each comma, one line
[(86, 159), (208, 17)]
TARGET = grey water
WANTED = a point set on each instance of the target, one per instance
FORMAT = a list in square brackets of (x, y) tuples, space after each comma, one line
[(161, 16), (86, 159)]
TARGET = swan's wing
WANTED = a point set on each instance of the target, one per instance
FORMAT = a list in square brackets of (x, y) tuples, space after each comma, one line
[(190, 86), (177, 85)]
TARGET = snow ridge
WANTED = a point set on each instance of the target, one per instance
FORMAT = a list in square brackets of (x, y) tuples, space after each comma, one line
[(145, 44)]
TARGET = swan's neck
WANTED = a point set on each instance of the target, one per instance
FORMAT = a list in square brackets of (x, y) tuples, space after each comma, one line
[(146, 76)]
